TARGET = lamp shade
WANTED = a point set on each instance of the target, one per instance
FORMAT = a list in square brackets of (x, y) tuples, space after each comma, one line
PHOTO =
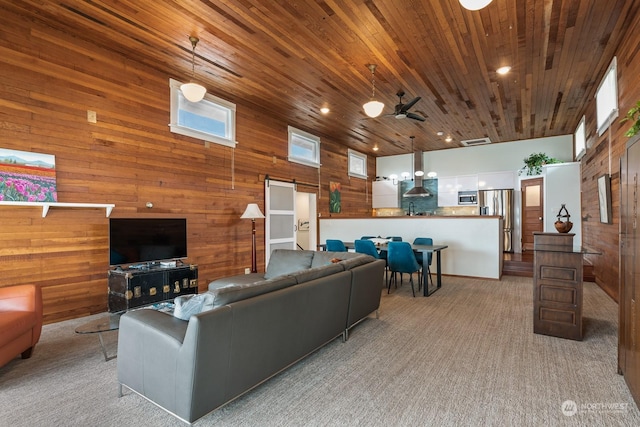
[(193, 91), (373, 108), (474, 4), (252, 212)]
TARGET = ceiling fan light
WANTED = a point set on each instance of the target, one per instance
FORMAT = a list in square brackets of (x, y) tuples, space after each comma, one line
[(373, 108), (474, 4), (193, 91), (401, 116)]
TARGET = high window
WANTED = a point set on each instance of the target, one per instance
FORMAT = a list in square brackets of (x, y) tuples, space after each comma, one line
[(607, 98), (304, 148), (357, 164), (213, 119)]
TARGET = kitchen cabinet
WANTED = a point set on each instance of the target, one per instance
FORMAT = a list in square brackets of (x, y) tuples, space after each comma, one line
[(384, 194), (448, 188), (467, 182), (447, 191), (496, 180)]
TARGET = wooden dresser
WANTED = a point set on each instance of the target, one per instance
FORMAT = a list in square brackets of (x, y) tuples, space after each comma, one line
[(557, 286)]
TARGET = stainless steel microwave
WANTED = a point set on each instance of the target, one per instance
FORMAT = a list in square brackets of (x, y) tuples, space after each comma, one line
[(467, 197)]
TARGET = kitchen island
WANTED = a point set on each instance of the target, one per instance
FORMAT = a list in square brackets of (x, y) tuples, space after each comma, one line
[(475, 242)]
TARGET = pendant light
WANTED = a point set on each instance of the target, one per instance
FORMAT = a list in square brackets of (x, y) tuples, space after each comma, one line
[(373, 108), (474, 4), (193, 91)]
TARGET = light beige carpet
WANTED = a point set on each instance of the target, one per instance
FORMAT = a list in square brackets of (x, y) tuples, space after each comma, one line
[(466, 356)]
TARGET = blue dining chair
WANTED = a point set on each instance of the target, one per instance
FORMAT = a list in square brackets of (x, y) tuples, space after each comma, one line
[(367, 237), (365, 246), (424, 241), (335, 245), (401, 259)]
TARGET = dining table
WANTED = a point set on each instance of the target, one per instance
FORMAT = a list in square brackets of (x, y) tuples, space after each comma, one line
[(424, 249)]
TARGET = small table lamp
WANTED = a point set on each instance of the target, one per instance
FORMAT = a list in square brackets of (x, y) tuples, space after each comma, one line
[(253, 212)]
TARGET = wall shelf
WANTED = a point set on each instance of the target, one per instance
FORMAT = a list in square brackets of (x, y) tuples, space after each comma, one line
[(46, 205)]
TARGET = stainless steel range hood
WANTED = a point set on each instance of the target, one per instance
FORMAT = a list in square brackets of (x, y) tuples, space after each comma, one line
[(418, 190)]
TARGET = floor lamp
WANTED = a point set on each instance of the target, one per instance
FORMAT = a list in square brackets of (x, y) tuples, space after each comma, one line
[(253, 212)]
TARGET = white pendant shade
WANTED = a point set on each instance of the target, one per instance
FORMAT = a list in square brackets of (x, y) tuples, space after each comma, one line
[(474, 4), (373, 108), (419, 173), (253, 211), (193, 91)]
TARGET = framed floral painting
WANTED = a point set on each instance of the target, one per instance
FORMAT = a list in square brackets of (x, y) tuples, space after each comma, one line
[(335, 204), (27, 177)]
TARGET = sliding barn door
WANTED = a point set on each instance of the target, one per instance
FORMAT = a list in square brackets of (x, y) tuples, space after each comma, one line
[(280, 216)]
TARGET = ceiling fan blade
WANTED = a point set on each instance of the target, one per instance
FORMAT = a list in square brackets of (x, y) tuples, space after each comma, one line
[(415, 117), (410, 104)]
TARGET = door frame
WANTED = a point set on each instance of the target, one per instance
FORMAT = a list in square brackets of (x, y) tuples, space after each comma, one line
[(523, 183)]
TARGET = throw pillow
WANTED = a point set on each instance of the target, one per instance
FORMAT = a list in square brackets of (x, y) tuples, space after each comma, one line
[(188, 305)]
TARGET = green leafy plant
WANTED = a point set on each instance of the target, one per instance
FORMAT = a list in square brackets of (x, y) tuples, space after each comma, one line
[(533, 164), (633, 114)]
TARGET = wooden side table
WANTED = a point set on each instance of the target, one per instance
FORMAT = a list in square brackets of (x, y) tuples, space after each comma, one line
[(557, 285)]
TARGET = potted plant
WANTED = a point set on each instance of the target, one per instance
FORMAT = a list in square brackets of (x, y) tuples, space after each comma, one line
[(533, 164), (633, 114)]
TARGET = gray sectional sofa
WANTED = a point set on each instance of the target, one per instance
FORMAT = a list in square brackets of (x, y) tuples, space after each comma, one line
[(255, 326)]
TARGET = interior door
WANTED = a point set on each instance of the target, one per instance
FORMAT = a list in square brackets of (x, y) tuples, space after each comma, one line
[(629, 327), (532, 209), (280, 216)]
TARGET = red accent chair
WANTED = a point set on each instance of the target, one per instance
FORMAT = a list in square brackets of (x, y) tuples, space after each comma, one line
[(20, 321)]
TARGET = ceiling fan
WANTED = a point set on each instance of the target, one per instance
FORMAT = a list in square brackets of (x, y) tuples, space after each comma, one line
[(402, 110)]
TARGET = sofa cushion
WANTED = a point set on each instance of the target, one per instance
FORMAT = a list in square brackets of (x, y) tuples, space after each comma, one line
[(229, 294), (317, 272), (285, 261), (348, 264), (240, 279), (321, 258)]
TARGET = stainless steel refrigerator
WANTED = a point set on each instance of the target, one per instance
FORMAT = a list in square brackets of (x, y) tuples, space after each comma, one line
[(499, 202)]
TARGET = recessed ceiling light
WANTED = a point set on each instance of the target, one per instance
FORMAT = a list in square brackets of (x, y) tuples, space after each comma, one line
[(440, 133), (503, 70), (375, 148), (448, 138), (324, 110)]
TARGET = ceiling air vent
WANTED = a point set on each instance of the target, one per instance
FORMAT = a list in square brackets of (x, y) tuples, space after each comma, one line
[(474, 142)]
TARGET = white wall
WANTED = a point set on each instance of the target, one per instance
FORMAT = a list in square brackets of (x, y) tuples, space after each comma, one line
[(497, 157), (562, 186), (475, 243)]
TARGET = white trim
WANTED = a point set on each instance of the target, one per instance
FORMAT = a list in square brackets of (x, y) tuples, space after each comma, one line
[(580, 140)]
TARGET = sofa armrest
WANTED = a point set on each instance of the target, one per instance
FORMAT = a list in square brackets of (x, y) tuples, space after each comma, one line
[(180, 365), (24, 298)]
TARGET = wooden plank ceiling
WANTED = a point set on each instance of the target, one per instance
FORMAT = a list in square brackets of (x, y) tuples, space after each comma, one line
[(289, 58)]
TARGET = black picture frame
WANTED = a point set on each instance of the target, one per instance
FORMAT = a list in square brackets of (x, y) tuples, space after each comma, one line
[(604, 199)]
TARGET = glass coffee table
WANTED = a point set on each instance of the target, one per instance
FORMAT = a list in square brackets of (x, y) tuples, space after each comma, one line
[(110, 322)]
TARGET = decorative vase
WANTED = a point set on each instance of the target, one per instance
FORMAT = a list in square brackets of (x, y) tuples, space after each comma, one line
[(563, 226)]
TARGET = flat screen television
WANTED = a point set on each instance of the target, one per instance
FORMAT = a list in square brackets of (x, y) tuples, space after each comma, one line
[(144, 240)]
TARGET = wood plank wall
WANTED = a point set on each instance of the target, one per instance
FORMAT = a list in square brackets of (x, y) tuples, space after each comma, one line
[(603, 157), (129, 157)]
